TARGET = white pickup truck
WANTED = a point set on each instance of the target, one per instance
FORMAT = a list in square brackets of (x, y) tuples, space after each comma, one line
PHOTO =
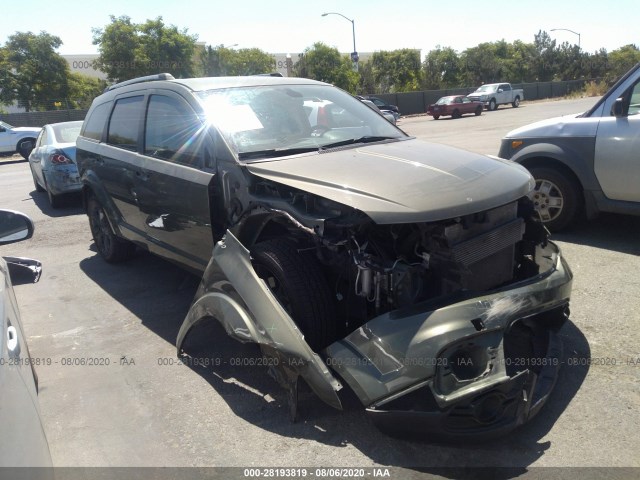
[(17, 139), (494, 94)]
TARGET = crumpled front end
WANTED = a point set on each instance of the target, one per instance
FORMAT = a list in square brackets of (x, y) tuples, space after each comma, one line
[(475, 367), (435, 325)]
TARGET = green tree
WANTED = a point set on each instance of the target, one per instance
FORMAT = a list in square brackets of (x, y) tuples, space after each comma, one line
[(621, 61), (397, 70), (129, 50), (324, 63), (32, 72), (83, 89), (220, 61), (442, 68)]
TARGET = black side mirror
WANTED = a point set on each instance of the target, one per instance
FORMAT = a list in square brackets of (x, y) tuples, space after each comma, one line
[(617, 109), (14, 227)]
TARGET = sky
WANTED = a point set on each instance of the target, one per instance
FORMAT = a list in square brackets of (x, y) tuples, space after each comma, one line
[(288, 26)]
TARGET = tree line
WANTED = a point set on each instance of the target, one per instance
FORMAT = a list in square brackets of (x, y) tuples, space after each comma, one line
[(33, 74)]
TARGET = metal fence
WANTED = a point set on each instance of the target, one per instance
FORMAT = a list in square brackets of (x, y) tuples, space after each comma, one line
[(411, 103), (38, 119)]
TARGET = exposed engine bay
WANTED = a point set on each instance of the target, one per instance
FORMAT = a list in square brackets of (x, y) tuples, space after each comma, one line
[(372, 269)]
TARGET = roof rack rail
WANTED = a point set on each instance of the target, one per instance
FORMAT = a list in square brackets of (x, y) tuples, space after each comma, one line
[(148, 78), (272, 74)]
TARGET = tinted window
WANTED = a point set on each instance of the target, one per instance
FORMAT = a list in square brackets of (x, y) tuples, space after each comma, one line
[(94, 126), (172, 131), (125, 122)]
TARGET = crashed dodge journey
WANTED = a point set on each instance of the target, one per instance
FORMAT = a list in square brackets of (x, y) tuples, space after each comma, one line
[(415, 275)]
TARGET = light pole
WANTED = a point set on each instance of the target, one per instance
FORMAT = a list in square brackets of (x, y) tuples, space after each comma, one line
[(354, 54), (567, 30)]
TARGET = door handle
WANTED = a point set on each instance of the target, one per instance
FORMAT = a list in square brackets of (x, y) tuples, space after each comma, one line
[(12, 339)]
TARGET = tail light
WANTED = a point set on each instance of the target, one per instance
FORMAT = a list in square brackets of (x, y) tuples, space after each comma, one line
[(59, 158)]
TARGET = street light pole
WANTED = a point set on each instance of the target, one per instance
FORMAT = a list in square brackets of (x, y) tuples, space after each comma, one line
[(567, 30), (354, 54)]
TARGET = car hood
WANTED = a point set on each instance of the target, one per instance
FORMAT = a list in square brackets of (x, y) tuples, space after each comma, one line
[(26, 130), (567, 125), (405, 181)]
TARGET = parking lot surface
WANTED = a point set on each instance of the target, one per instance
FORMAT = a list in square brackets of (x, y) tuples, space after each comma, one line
[(113, 392)]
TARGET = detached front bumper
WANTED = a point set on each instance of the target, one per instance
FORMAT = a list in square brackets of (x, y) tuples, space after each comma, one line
[(477, 367)]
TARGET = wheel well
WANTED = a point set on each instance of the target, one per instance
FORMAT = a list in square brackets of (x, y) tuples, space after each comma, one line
[(22, 140), (552, 163)]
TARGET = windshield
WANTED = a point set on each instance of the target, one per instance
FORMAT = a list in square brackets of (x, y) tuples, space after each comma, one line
[(276, 120), (445, 100), (486, 88), (6, 125)]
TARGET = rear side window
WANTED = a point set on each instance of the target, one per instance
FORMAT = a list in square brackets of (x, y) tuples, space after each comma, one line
[(94, 126), (172, 131), (125, 123)]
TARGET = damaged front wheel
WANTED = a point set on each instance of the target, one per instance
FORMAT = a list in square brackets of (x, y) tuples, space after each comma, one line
[(296, 280)]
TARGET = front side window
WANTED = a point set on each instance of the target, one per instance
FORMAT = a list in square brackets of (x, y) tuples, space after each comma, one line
[(172, 131), (125, 123)]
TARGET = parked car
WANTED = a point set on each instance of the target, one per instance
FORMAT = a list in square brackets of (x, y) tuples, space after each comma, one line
[(356, 256), (454, 106), (17, 139), (24, 442), (382, 105), (385, 113), (586, 162), (492, 95), (53, 161)]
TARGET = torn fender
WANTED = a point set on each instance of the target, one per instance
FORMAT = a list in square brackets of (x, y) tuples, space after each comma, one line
[(233, 294)]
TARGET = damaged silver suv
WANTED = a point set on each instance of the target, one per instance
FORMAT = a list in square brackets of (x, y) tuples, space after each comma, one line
[(415, 274)]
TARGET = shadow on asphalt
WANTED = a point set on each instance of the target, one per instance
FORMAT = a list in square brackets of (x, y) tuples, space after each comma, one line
[(609, 232), (160, 294), (70, 204)]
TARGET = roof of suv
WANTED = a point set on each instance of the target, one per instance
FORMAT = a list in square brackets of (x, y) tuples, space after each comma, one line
[(207, 83)]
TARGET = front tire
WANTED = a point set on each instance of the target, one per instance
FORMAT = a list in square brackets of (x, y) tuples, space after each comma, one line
[(297, 281), (110, 247), (493, 105), (556, 197), (456, 114), (516, 102), (436, 117)]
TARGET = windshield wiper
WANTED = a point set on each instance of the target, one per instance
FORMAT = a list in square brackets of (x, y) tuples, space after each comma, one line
[(365, 139), (275, 152)]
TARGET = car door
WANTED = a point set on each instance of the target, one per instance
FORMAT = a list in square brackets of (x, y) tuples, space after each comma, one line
[(23, 441), (467, 106), (507, 94), (119, 163), (4, 138), (617, 163), (172, 189)]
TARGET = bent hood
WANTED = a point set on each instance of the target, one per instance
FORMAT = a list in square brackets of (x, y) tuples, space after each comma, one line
[(406, 181), (26, 130)]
